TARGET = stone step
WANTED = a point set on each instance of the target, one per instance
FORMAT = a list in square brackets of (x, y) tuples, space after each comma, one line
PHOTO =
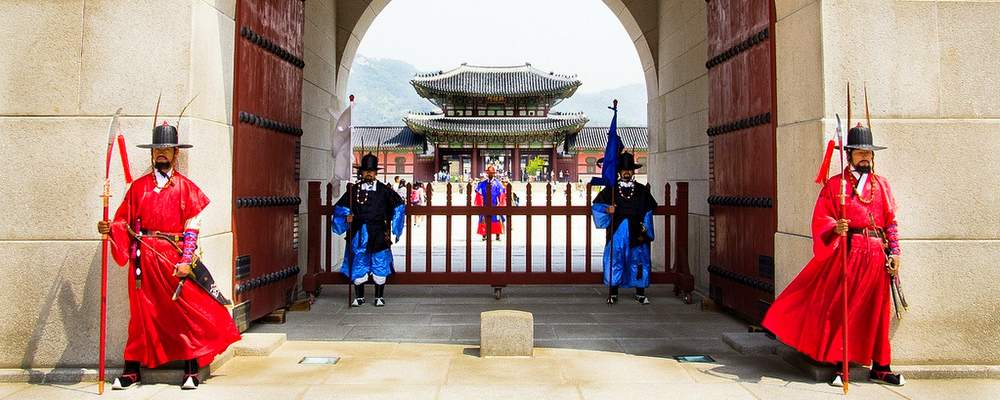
[(752, 343), (258, 344)]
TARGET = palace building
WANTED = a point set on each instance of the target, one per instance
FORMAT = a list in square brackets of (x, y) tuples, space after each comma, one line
[(494, 115)]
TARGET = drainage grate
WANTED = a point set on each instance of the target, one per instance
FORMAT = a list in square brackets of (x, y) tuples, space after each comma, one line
[(319, 360), (696, 358)]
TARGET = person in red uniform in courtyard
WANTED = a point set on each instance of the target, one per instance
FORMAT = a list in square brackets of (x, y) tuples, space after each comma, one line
[(177, 313), (808, 315)]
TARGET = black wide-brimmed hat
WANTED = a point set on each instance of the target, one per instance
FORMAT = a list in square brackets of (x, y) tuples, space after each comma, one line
[(368, 163), (626, 161), (860, 138), (165, 136)]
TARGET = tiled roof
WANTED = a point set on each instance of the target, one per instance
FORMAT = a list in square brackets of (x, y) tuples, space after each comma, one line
[(529, 128), (596, 138), (516, 81), (391, 137)]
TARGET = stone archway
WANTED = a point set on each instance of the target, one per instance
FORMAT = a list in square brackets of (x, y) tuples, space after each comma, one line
[(354, 18)]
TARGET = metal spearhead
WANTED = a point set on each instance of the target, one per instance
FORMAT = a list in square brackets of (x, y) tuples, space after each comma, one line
[(114, 127)]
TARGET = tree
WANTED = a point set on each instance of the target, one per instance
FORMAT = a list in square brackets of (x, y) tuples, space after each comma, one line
[(534, 165)]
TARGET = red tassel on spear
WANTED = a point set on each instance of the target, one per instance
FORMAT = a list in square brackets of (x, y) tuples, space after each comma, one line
[(112, 134)]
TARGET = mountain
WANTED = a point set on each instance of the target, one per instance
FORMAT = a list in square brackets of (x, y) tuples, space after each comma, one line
[(383, 94)]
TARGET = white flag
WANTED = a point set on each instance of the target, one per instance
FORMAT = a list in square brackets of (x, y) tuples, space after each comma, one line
[(342, 153)]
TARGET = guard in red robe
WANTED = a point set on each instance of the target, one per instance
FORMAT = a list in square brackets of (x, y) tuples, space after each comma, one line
[(177, 313), (808, 315)]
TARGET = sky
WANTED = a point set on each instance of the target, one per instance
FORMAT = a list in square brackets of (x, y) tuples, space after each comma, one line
[(581, 37)]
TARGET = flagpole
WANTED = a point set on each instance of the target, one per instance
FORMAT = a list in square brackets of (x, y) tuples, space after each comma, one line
[(350, 224), (614, 184)]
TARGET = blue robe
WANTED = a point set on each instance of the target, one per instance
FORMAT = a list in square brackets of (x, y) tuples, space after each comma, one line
[(628, 251), (498, 197), (368, 249)]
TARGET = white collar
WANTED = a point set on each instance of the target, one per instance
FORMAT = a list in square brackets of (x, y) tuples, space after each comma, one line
[(862, 181), (626, 184), (161, 181), (368, 186)]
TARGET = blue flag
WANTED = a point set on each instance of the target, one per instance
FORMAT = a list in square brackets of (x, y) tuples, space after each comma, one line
[(609, 168)]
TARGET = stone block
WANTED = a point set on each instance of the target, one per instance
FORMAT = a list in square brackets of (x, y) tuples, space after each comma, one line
[(321, 14), (652, 82), (687, 164), (258, 344), (226, 7), (316, 132), (319, 72), (316, 101), (316, 164), (51, 303), (904, 71), (343, 76), (506, 333), (964, 203), (212, 52), (755, 343), (645, 53), (36, 151), (41, 62), (791, 253), (209, 164), (109, 81), (951, 286), (968, 42), (217, 251), (784, 8), (799, 151), (686, 131), (316, 39), (799, 66)]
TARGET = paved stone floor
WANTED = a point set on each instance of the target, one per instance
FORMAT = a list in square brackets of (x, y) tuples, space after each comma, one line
[(423, 346)]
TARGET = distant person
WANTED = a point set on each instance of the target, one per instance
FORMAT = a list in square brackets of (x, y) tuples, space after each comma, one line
[(401, 188), (497, 197), (418, 198)]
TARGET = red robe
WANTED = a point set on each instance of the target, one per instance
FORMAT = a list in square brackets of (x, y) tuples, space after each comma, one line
[(161, 329), (808, 315)]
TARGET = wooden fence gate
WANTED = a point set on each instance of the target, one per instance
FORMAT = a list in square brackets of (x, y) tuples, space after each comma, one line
[(321, 270), (267, 115), (742, 167)]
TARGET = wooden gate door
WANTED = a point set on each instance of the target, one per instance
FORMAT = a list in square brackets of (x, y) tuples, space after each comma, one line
[(742, 167), (267, 115)]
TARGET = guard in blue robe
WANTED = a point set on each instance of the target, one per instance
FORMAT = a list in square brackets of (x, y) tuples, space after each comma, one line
[(370, 212), (626, 256)]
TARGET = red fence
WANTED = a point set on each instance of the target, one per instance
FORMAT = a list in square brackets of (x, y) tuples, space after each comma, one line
[(319, 232)]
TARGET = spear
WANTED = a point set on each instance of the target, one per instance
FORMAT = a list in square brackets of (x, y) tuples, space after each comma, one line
[(843, 243), (112, 136)]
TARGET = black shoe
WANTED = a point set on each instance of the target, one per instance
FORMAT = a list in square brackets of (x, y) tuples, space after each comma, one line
[(612, 299), (358, 301), (126, 381), (191, 382), (886, 377), (379, 302), (641, 299)]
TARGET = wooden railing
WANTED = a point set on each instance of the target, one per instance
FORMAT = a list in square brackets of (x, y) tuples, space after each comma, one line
[(678, 273)]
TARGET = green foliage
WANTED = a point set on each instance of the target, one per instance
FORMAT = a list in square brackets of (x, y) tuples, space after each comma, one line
[(534, 166)]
